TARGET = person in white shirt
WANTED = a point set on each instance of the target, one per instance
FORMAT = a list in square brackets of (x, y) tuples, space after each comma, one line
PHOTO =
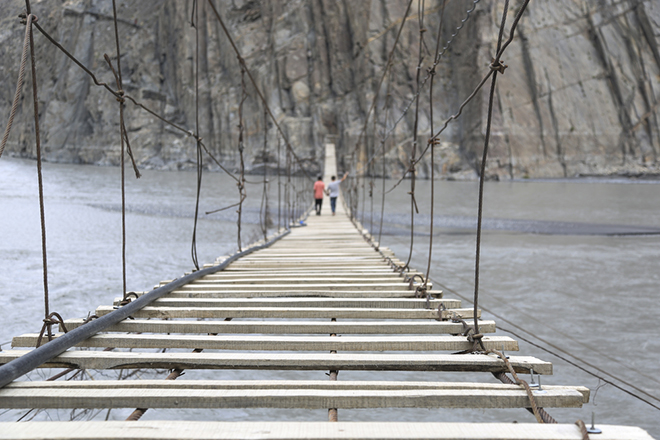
[(333, 191)]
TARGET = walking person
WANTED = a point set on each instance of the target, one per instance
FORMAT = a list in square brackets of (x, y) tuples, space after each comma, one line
[(333, 191), (319, 189)]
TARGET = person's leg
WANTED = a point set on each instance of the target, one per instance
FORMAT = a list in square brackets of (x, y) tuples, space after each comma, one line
[(333, 204)]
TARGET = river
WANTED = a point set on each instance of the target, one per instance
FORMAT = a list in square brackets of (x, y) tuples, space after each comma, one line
[(574, 262)]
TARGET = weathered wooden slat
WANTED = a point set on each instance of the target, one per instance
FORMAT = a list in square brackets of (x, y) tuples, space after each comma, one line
[(319, 259), (224, 276), (287, 312), (288, 361), (305, 286), (291, 327), (200, 430), (372, 385), (402, 303), (183, 397), (283, 343), (333, 263), (296, 293), (254, 279)]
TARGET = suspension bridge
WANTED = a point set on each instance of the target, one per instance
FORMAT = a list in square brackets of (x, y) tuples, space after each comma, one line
[(319, 298), (318, 294)]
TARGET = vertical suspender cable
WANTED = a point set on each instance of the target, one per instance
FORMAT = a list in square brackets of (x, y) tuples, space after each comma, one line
[(432, 73), (194, 21)]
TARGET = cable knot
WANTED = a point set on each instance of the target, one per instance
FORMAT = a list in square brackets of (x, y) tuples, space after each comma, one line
[(498, 65), (24, 18), (120, 96)]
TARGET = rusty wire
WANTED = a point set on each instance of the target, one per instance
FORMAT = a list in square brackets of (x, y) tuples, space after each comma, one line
[(518, 381), (432, 73), (263, 212), (199, 162), (279, 186), (241, 180), (413, 202), (542, 414), (583, 429), (123, 136), (496, 67), (29, 18), (388, 105), (42, 214)]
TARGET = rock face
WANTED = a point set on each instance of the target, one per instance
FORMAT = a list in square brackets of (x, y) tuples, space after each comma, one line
[(580, 95)]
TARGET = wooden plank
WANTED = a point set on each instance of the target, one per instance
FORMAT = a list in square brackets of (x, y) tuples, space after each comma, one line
[(221, 276), (290, 327), (401, 303), (305, 286), (319, 259), (371, 385), (296, 293), (187, 397), (288, 361), (201, 430), (286, 312), (283, 343), (303, 278), (335, 264)]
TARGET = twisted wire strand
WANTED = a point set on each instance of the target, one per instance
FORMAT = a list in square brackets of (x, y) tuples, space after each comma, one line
[(194, 18), (432, 73), (263, 212), (388, 104), (42, 212), (241, 182), (482, 174), (413, 202), (19, 83)]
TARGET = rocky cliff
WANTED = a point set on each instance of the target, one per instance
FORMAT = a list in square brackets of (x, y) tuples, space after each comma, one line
[(580, 95)]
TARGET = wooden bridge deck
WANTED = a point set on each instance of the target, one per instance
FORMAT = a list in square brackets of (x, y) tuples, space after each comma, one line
[(319, 299)]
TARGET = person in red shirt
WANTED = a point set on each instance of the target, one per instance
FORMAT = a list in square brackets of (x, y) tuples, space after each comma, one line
[(319, 188)]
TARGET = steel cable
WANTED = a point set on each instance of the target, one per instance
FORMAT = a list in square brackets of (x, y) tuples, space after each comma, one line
[(199, 162), (19, 84), (432, 73)]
